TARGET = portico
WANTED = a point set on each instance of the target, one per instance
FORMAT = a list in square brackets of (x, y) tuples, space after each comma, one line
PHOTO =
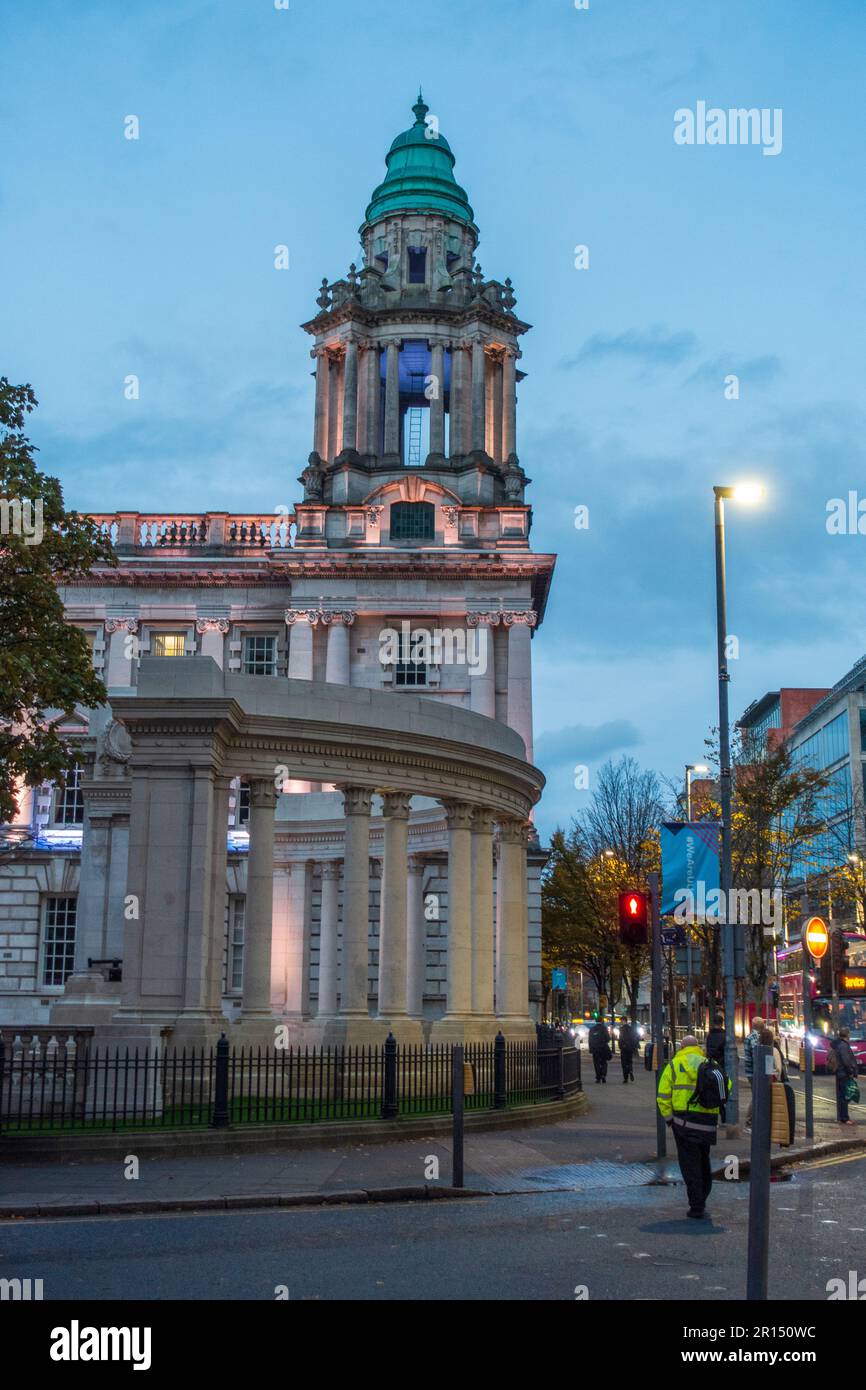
[(192, 728)]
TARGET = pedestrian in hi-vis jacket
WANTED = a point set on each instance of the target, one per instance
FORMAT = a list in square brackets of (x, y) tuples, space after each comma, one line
[(691, 1092)]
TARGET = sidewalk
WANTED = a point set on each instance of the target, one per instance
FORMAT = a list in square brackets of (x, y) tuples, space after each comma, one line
[(612, 1145)]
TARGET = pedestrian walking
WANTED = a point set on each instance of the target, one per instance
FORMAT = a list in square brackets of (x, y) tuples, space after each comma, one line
[(627, 1049), (769, 1039), (749, 1060), (842, 1063), (716, 1041), (599, 1048), (692, 1091)]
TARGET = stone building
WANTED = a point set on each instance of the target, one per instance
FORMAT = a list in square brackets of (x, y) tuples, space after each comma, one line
[(310, 798)]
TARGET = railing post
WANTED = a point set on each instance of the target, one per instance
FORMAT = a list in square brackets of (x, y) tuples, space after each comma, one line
[(457, 1120), (499, 1080), (221, 1085), (389, 1099), (2, 1071), (560, 1058)]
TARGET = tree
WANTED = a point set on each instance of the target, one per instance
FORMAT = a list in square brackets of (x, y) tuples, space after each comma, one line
[(612, 846), (45, 665)]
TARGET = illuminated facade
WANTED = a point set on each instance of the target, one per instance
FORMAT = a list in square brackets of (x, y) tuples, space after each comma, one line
[(404, 572)]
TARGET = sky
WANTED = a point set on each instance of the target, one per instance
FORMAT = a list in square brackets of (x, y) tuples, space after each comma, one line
[(262, 126)]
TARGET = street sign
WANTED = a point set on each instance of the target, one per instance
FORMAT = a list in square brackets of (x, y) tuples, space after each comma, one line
[(816, 937), (672, 935), (558, 979)]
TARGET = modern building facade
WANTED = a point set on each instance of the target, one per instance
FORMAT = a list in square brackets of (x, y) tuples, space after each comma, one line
[(310, 796)]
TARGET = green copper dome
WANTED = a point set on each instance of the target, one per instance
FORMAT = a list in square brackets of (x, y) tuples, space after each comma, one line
[(420, 175)]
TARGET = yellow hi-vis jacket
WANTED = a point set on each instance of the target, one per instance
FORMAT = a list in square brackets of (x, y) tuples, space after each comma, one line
[(690, 1119)]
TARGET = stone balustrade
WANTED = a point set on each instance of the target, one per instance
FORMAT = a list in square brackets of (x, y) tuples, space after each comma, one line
[(153, 531)]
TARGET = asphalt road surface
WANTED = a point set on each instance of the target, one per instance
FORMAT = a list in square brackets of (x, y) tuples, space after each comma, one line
[(624, 1243)]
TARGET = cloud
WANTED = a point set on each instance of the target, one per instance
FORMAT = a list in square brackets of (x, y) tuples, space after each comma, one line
[(584, 743), (756, 371), (654, 346)]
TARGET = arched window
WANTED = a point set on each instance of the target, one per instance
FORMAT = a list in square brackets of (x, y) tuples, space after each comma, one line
[(413, 521)]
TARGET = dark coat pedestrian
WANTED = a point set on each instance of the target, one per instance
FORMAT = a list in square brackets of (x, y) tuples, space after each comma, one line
[(846, 1070), (599, 1047), (716, 1041), (627, 1049)]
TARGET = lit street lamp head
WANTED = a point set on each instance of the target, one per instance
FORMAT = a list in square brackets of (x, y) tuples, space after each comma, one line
[(742, 492)]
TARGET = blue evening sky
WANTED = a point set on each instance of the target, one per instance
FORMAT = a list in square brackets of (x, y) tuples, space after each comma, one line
[(262, 126)]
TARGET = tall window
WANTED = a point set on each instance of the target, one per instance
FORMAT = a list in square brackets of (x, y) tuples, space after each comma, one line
[(413, 521), (58, 950), (167, 644), (408, 672), (417, 265), (243, 804), (260, 656), (235, 964), (69, 800)]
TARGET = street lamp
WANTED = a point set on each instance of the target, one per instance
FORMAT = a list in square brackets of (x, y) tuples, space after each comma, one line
[(690, 768), (743, 492)]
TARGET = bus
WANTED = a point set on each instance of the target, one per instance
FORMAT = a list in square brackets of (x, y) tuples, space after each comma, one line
[(852, 1003)]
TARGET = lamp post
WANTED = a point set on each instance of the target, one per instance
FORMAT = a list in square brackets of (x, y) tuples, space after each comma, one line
[(690, 768), (746, 492)]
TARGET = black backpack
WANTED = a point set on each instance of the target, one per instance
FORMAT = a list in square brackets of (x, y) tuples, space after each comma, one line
[(711, 1086)]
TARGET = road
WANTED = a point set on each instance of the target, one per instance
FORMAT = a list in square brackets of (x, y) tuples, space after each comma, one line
[(624, 1243)]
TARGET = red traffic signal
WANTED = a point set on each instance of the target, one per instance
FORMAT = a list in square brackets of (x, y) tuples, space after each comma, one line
[(634, 918)]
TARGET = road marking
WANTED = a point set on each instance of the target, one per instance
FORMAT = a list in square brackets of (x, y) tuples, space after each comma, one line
[(642, 1255), (832, 1159)]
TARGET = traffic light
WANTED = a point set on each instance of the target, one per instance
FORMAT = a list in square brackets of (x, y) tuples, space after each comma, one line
[(634, 918), (838, 950)]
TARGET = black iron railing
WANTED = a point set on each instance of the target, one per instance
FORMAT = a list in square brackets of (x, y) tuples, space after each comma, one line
[(63, 1088)]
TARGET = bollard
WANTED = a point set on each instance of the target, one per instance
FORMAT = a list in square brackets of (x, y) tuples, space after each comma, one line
[(500, 1092), (759, 1177), (457, 1111), (389, 1096), (221, 1085)]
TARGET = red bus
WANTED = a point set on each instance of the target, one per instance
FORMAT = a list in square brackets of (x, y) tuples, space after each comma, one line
[(852, 1002)]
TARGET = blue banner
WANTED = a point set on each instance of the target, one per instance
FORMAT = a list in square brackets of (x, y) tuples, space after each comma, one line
[(558, 979), (690, 864)]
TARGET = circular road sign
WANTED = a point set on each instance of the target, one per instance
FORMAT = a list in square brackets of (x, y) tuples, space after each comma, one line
[(816, 937)]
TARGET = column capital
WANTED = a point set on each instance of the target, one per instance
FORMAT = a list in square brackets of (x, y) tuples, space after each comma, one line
[(482, 821), (356, 800), (212, 625), (263, 794), (331, 869), (121, 624), (512, 831), (395, 805), (458, 814), (528, 618), (302, 615), (345, 616), (490, 619), (415, 864)]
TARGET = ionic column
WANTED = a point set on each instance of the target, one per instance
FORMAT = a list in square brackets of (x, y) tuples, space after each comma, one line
[(457, 443), (437, 401), (416, 936), (301, 625), (258, 924), (482, 912), (213, 632), (338, 660), (512, 963), (350, 395), (482, 674), (372, 443), (520, 627), (459, 966), (328, 918), (509, 403), (320, 433), (393, 907), (392, 398), (479, 368), (356, 902)]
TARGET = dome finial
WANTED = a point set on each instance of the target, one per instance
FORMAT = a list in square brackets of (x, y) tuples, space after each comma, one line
[(420, 108)]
